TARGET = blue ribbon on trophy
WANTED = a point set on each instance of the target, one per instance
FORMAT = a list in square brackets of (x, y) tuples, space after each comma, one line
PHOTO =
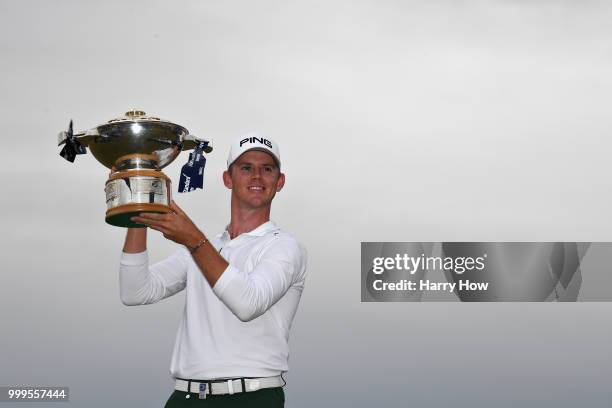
[(192, 173)]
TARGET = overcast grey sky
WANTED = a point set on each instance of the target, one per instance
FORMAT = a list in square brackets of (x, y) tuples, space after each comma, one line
[(397, 121)]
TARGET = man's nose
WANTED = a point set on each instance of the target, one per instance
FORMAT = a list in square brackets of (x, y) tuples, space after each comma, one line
[(256, 173)]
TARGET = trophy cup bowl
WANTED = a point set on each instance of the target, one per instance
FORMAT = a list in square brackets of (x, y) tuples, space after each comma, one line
[(135, 148)]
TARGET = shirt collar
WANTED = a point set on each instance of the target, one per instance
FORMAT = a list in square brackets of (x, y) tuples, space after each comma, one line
[(260, 231)]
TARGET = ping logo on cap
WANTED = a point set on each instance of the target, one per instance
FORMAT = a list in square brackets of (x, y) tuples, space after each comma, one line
[(254, 139)]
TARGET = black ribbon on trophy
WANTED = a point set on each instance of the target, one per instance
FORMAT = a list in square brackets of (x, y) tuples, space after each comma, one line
[(72, 146), (192, 173)]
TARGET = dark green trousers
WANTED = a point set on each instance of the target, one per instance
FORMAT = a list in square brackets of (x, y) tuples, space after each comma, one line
[(265, 398)]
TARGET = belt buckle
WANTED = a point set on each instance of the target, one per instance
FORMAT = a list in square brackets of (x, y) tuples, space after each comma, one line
[(202, 393)]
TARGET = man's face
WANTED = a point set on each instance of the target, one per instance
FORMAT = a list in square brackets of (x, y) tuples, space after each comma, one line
[(254, 179)]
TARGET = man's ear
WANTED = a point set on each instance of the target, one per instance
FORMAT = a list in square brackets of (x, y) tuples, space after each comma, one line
[(280, 183), (227, 179)]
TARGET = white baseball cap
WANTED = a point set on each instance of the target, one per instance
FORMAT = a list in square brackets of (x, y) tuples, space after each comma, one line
[(253, 141)]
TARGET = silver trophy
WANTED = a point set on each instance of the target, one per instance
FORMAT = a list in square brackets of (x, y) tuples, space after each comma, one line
[(136, 147)]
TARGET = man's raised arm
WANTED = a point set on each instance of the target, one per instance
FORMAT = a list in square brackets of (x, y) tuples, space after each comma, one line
[(135, 241), (140, 284)]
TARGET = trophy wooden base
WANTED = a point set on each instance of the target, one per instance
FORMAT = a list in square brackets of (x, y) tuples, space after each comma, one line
[(121, 216)]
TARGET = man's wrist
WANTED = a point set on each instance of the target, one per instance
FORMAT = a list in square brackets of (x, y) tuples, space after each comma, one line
[(197, 242)]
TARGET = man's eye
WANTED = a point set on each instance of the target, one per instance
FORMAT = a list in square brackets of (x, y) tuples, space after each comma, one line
[(245, 168), (268, 169)]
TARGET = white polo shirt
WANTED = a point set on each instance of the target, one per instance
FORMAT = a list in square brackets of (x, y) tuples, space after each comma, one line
[(239, 328)]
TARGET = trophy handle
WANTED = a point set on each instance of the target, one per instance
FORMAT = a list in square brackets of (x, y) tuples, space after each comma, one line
[(83, 137), (191, 141)]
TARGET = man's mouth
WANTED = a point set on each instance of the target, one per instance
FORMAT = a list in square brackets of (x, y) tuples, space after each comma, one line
[(256, 188)]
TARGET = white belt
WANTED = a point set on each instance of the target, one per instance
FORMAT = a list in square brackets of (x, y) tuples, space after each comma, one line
[(216, 387)]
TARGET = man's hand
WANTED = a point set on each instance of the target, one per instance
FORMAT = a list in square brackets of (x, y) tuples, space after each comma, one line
[(179, 228), (176, 226)]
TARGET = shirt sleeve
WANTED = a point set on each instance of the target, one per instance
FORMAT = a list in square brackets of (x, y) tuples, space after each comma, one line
[(141, 284), (249, 295)]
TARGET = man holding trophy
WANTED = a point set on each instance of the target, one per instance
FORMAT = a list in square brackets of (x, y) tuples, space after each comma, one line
[(242, 286)]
